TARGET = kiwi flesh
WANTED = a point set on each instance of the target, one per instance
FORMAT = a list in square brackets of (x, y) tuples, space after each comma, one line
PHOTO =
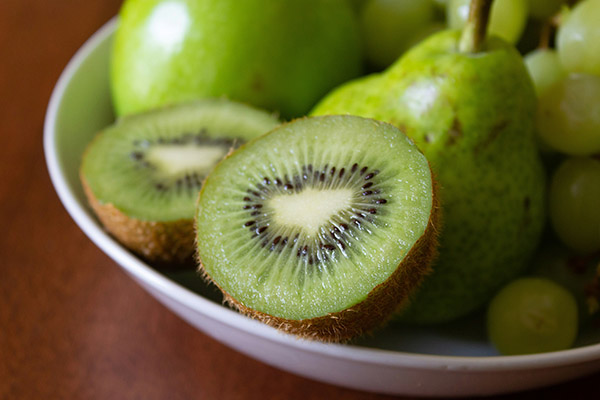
[(321, 228), (142, 174)]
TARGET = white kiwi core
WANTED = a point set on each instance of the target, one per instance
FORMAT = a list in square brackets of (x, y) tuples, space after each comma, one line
[(173, 159), (309, 209)]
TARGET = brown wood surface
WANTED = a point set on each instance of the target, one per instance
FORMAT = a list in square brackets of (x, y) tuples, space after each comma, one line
[(72, 324)]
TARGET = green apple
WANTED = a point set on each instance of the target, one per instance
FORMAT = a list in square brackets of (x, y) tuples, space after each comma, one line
[(279, 55)]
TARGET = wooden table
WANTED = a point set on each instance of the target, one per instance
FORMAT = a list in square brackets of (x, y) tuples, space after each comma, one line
[(72, 324)]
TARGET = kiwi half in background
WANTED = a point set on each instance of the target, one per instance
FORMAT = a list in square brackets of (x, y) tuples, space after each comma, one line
[(142, 174), (321, 228)]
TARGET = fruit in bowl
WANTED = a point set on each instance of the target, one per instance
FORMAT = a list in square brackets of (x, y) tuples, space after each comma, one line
[(465, 99), (278, 55), (397, 359)]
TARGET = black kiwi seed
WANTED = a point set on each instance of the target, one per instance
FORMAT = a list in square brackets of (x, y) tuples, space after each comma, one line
[(341, 232), (137, 155), (190, 180), (297, 182)]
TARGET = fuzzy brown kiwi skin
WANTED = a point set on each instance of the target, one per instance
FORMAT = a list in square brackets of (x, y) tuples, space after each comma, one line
[(379, 305), (164, 244)]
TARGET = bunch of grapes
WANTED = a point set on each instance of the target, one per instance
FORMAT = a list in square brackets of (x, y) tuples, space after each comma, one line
[(567, 80), (560, 42), (565, 69)]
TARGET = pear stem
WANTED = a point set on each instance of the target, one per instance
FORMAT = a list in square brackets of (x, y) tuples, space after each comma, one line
[(474, 32)]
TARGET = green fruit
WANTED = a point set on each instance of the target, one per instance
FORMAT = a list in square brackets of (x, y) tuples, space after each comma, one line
[(389, 27), (311, 231), (532, 315), (574, 203), (544, 9), (578, 38), (568, 115), (143, 173), (544, 68), (278, 55), (472, 116)]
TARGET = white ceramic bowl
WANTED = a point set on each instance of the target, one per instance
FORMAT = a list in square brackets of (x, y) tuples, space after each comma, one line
[(453, 360)]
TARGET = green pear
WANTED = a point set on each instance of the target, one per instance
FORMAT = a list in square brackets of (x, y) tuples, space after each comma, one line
[(472, 116), (279, 55)]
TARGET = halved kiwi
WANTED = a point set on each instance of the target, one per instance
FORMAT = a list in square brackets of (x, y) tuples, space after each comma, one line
[(322, 227), (142, 174)]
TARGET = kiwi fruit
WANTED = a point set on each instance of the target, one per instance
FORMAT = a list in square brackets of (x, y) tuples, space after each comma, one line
[(321, 228), (143, 173)]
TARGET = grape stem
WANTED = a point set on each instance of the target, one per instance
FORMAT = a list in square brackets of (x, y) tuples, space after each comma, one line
[(545, 34), (474, 33)]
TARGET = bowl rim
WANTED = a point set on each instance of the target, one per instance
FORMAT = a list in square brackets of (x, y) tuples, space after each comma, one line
[(141, 271)]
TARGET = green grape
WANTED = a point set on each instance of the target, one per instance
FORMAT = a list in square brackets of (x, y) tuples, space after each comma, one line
[(578, 38), (545, 68), (568, 115), (574, 203), (507, 19), (532, 315), (544, 9), (389, 26)]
